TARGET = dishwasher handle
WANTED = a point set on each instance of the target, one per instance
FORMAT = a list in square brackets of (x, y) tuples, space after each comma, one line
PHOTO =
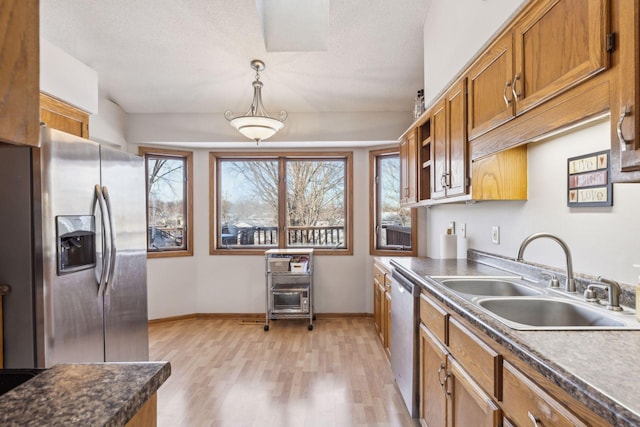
[(405, 283)]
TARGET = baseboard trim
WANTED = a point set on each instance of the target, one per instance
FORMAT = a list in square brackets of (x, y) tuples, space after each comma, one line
[(248, 316)]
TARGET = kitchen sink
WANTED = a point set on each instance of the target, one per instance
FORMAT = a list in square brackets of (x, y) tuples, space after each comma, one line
[(489, 287), (524, 305), (530, 313), (12, 378)]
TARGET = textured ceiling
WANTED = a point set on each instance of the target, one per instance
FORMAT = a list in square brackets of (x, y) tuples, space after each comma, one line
[(192, 56)]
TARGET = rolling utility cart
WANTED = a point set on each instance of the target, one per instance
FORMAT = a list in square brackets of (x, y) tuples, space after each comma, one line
[(289, 285)]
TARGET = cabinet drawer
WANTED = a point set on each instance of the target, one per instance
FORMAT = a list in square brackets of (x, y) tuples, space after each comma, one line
[(480, 360), (378, 273), (435, 318), (525, 402), (387, 282)]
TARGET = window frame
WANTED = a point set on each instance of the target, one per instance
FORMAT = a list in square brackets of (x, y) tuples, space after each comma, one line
[(188, 157), (374, 208), (215, 198)]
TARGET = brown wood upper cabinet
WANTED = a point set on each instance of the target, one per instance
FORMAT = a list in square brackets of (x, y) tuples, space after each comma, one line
[(449, 171), (625, 124), (19, 72), (62, 116), (409, 167), (554, 46)]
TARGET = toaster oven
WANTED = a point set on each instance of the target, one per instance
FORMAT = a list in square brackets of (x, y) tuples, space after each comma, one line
[(290, 299)]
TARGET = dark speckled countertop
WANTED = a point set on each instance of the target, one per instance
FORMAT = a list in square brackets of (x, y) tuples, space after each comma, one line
[(92, 394), (599, 368)]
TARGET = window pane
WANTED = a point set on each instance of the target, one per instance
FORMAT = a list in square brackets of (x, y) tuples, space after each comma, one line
[(166, 202), (248, 203), (316, 203), (394, 222)]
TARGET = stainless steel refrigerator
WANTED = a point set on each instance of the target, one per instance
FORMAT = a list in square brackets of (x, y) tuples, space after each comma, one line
[(73, 250)]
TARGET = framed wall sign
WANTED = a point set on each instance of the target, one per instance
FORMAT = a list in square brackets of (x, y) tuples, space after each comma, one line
[(589, 180)]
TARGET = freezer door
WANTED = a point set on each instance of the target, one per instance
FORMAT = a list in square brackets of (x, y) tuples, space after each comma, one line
[(72, 326), (125, 301)]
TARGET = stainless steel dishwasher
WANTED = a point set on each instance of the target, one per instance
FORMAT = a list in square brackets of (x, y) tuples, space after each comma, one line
[(404, 338)]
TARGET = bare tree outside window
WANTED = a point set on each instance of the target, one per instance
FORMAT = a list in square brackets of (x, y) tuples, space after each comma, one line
[(256, 204), (169, 175), (166, 202), (249, 202), (393, 223), (315, 202)]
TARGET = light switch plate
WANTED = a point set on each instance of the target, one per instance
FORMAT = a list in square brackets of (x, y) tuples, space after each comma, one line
[(495, 234)]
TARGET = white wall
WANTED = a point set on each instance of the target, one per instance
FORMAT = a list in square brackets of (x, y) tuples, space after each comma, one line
[(109, 124), (603, 240), (454, 32), (235, 284), (64, 77)]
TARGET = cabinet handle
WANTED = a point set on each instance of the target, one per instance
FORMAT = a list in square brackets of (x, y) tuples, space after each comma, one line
[(445, 180), (535, 420), (445, 387), (4, 289), (507, 85), (624, 143), (514, 89), (440, 369)]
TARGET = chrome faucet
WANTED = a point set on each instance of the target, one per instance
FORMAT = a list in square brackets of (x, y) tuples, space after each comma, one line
[(613, 290), (570, 285)]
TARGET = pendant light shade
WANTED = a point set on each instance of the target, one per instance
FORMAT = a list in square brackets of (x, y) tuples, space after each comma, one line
[(256, 124)]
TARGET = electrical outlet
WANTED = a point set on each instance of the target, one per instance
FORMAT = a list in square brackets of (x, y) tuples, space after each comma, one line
[(495, 234), (462, 230)]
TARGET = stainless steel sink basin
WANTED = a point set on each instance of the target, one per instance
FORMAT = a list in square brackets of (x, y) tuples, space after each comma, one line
[(489, 287), (548, 313)]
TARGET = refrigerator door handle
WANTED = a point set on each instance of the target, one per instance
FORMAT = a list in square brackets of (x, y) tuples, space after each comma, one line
[(112, 233), (99, 200)]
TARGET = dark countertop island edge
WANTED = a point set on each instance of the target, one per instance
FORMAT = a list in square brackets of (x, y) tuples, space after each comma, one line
[(97, 394)]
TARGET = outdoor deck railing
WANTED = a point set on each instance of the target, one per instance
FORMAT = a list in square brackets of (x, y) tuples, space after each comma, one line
[(164, 237), (319, 236), (398, 235)]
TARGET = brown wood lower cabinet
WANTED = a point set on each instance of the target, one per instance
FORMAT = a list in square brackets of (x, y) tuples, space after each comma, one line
[(467, 379), (433, 368), (387, 322), (449, 396), (469, 404), (147, 416), (527, 404), (382, 305)]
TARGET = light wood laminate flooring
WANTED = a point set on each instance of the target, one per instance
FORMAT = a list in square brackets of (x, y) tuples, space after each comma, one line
[(226, 372)]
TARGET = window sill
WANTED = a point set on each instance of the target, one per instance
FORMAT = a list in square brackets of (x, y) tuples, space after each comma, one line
[(169, 254)]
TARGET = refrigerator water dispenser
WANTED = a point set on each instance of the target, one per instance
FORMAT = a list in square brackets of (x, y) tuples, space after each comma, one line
[(76, 239)]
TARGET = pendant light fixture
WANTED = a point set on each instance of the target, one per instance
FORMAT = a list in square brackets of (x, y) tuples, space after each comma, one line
[(256, 124)]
